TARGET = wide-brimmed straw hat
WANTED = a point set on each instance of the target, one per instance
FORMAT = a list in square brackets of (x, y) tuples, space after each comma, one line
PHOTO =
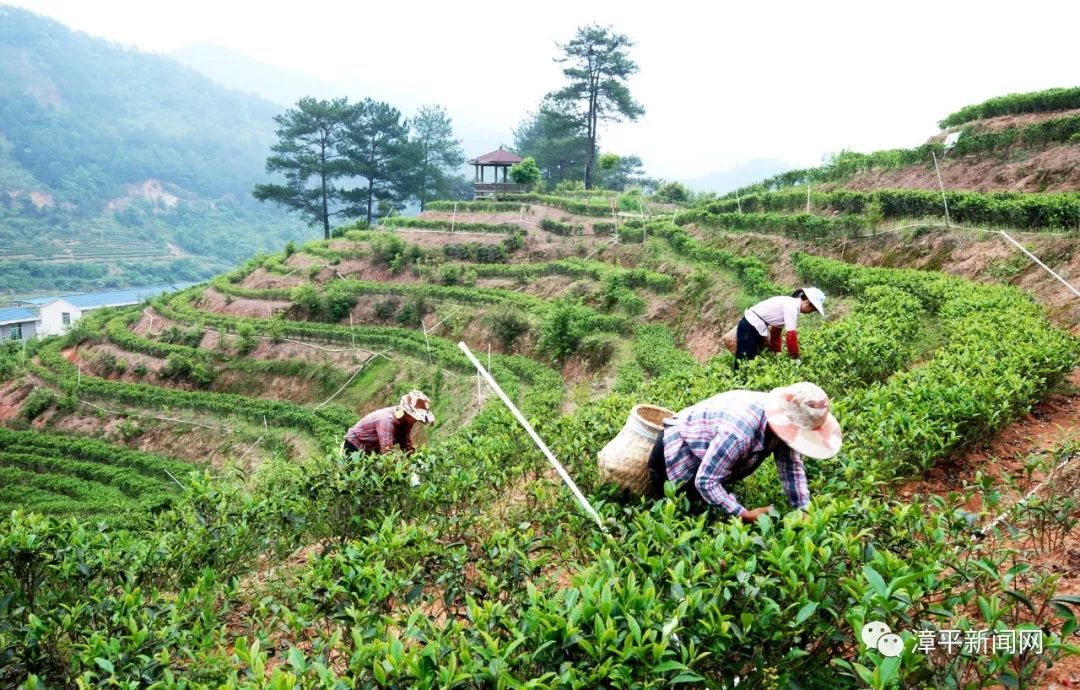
[(817, 298), (799, 415), (418, 406)]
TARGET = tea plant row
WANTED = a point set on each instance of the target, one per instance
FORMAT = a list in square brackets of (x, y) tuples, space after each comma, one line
[(1016, 103), (1004, 209)]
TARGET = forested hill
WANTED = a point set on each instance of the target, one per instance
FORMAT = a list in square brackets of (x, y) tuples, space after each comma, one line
[(104, 148)]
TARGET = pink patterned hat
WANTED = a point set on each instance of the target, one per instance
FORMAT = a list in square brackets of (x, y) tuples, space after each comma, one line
[(799, 415)]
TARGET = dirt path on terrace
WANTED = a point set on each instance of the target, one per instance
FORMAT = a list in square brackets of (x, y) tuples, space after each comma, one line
[(261, 279), (184, 442), (532, 218), (212, 300), (1050, 169), (12, 397), (1050, 424), (996, 124)]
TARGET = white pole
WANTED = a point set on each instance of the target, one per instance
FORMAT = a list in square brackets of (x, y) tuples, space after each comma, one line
[(808, 198), (738, 201), (535, 437), (174, 479), (426, 341), (453, 219), (941, 184), (1036, 260), (352, 331)]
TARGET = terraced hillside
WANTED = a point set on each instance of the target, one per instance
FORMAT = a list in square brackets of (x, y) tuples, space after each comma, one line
[(261, 558), (1020, 142)]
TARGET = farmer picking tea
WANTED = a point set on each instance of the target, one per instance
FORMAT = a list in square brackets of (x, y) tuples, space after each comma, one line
[(763, 322), (381, 430), (710, 445)]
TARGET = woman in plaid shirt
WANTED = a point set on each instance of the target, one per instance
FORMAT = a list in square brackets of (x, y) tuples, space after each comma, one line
[(381, 430), (721, 440)]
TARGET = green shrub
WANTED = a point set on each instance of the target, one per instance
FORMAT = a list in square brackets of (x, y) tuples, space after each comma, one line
[(672, 192), (276, 329), (105, 362), (183, 367), (37, 402), (526, 172), (507, 325), (248, 341), (340, 300), (450, 274), (514, 242), (308, 298), (560, 228), (563, 328), (598, 348), (385, 309)]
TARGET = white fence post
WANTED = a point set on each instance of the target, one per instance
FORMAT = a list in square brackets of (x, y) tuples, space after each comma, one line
[(586, 506), (941, 184)]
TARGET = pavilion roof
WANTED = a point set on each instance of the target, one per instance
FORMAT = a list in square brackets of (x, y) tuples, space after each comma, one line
[(499, 156)]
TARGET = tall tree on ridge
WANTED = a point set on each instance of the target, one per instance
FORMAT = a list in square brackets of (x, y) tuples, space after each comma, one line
[(555, 139), (311, 142), (597, 68), (377, 151), (437, 154)]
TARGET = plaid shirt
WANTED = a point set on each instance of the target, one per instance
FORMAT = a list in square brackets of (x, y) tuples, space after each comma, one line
[(378, 431), (722, 440)]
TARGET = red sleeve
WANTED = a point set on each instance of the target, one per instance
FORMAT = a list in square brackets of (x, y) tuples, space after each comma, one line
[(385, 430), (774, 338), (793, 344)]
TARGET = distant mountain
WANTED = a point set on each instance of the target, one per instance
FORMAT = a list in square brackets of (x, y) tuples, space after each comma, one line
[(741, 175), (284, 86), (103, 147), (244, 73)]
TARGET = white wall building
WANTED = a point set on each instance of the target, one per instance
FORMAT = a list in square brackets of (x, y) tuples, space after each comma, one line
[(55, 315)]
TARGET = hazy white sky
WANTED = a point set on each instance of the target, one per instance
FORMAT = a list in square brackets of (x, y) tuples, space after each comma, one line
[(721, 84)]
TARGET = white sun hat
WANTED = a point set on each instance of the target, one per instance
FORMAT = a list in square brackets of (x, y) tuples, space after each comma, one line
[(799, 415), (817, 298)]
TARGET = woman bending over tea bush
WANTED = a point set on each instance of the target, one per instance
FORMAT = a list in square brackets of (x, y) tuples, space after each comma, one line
[(761, 324), (725, 438)]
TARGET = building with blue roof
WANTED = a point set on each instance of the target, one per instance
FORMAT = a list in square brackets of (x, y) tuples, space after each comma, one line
[(55, 315), (18, 323)]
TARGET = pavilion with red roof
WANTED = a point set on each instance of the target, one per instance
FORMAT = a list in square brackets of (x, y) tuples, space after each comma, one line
[(498, 159)]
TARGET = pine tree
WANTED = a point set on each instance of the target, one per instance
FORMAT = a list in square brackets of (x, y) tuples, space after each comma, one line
[(597, 68), (310, 154)]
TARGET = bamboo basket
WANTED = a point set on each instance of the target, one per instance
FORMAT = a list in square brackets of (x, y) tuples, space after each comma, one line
[(625, 459)]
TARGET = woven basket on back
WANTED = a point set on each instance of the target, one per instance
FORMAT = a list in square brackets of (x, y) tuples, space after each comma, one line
[(625, 459)]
